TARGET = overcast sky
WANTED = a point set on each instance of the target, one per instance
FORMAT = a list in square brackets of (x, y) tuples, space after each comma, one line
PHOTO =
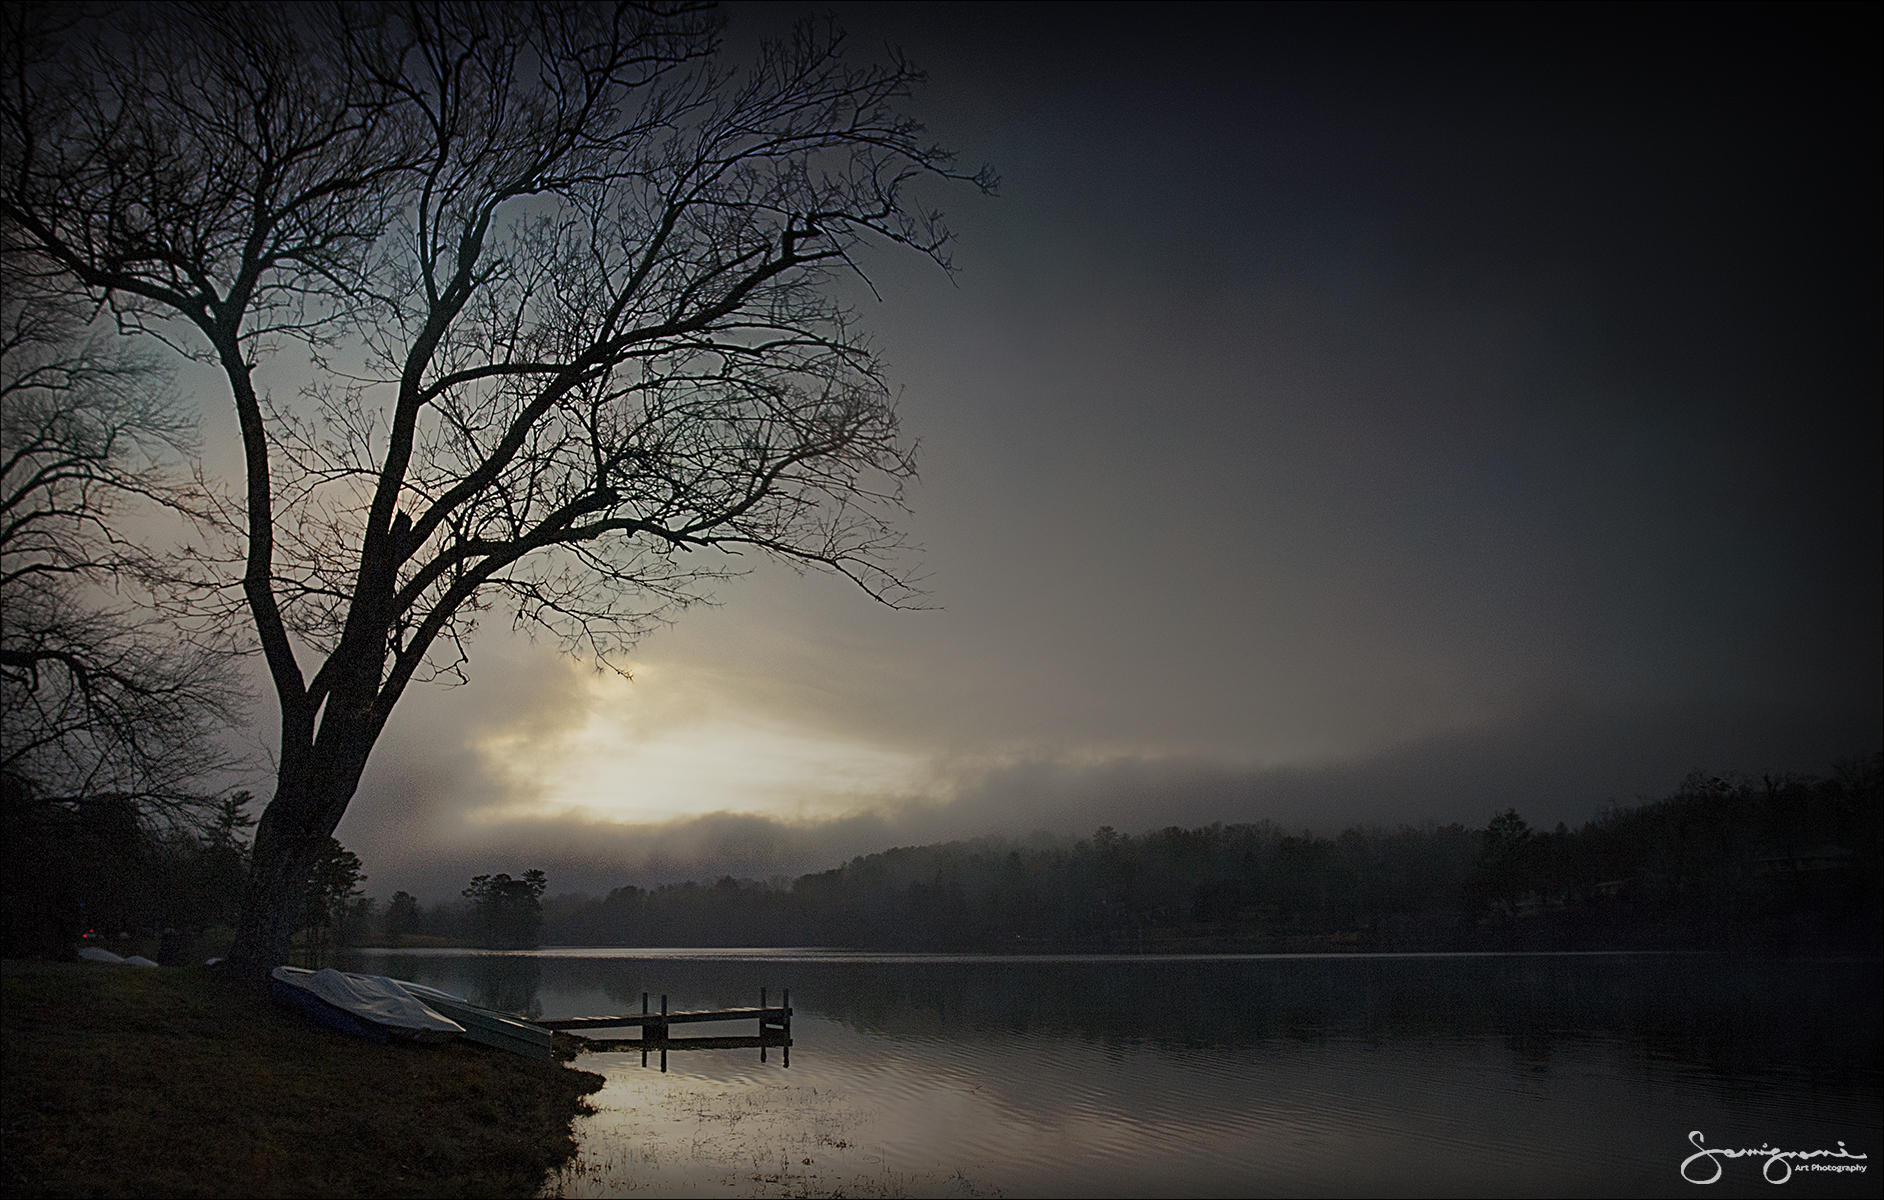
[(1341, 414)]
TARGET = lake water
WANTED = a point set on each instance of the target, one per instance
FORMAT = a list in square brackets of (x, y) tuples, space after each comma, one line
[(1490, 1075)]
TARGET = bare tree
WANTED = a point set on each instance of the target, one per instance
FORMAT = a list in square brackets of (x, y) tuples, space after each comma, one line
[(560, 293), (113, 723), (101, 701)]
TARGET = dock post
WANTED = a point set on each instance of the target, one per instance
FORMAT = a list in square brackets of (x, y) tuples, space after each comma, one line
[(787, 1002), (761, 1024), (644, 1030), (663, 1033)]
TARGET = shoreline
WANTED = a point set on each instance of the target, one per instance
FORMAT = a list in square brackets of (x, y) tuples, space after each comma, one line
[(123, 1081)]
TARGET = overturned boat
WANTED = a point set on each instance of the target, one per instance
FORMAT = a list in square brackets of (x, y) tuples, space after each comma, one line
[(485, 1026), (366, 1006), (380, 1008)]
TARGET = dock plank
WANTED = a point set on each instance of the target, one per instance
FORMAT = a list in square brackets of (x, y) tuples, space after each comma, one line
[(747, 1042)]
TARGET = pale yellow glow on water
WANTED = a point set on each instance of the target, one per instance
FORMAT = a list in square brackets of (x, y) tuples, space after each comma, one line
[(664, 747)]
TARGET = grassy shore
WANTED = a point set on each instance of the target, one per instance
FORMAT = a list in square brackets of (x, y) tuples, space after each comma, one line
[(126, 1081)]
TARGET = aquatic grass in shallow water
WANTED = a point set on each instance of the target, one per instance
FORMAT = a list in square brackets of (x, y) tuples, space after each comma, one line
[(686, 1134)]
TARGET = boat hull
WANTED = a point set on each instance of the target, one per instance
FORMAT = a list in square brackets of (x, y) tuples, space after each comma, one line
[(485, 1026), (312, 1006), (361, 1005)]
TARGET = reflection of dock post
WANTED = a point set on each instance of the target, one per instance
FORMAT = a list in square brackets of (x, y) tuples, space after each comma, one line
[(644, 1029)]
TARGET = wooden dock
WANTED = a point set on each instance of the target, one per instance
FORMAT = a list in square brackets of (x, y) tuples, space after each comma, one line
[(775, 1029)]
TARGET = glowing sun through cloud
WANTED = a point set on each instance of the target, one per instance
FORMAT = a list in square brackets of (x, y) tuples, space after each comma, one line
[(666, 746)]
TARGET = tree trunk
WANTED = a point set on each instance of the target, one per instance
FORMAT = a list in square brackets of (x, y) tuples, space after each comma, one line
[(289, 839)]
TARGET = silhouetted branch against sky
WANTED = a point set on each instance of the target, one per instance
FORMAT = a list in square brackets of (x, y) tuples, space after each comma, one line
[(563, 280), (566, 273), (104, 700)]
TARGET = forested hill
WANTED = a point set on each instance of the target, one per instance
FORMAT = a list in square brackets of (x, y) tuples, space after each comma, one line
[(1790, 865)]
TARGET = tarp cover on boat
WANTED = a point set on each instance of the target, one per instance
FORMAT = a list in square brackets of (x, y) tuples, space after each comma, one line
[(420, 991), (484, 1026), (373, 999)]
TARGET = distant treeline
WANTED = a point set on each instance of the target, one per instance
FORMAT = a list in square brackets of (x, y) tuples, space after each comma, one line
[(1786, 864)]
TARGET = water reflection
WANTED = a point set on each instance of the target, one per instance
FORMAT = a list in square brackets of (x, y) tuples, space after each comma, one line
[(1727, 1015), (507, 983), (1473, 1075)]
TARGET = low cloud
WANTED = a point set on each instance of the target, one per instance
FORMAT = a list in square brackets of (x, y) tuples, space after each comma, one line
[(1557, 763)]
